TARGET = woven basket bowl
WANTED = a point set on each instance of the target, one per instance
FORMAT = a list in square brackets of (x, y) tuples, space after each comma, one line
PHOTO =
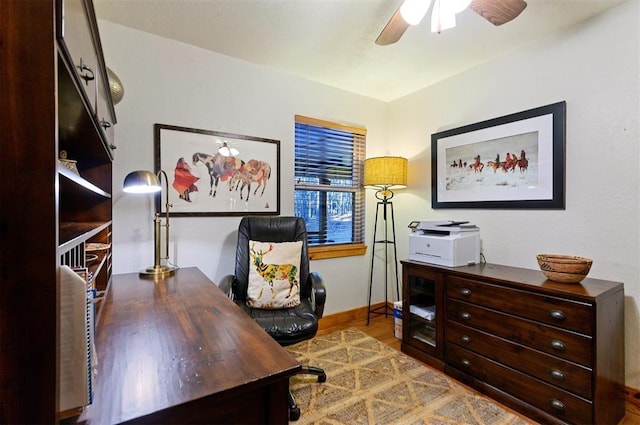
[(564, 268)]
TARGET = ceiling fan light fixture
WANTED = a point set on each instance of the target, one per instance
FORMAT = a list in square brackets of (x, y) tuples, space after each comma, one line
[(412, 11), (442, 18), (443, 15), (458, 5)]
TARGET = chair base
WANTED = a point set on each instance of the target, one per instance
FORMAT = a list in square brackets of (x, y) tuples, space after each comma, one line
[(294, 410)]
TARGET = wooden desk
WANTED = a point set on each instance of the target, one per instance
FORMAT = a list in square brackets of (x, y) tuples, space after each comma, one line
[(179, 351)]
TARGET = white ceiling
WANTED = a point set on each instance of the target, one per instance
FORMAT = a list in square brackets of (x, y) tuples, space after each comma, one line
[(332, 41)]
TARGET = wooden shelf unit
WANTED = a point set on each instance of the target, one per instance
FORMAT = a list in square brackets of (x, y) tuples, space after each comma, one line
[(48, 51)]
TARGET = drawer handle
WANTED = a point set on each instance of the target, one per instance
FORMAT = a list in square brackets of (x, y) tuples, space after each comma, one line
[(557, 315), (465, 316), (558, 405), (558, 345), (556, 374), (105, 124), (466, 292), (89, 76), (466, 363), (465, 339)]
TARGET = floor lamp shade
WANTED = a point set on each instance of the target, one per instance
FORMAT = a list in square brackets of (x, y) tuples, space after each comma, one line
[(385, 172)]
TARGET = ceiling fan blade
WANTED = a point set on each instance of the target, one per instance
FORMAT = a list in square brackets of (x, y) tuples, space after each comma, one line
[(498, 12), (393, 30)]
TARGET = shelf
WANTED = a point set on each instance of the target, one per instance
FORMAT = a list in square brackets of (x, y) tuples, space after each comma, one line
[(423, 320), (73, 233), (419, 286), (64, 171), (427, 335)]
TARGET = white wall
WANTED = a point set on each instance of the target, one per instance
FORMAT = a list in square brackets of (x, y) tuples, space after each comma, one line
[(594, 67), (173, 83)]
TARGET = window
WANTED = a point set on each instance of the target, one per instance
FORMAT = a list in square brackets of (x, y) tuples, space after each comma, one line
[(329, 164)]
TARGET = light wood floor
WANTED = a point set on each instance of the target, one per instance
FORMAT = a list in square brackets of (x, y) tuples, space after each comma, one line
[(381, 328)]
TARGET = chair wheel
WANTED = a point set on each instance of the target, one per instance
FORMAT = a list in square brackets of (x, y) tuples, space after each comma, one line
[(294, 414), (322, 378)]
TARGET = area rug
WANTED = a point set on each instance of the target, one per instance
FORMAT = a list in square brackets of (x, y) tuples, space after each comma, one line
[(369, 382)]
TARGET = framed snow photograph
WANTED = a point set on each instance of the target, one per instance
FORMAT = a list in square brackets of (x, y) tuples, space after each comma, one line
[(514, 161), (211, 173)]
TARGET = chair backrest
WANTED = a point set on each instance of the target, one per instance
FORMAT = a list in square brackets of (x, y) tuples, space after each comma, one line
[(269, 229)]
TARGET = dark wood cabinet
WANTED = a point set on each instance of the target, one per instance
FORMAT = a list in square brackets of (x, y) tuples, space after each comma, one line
[(53, 74), (552, 351), (422, 304)]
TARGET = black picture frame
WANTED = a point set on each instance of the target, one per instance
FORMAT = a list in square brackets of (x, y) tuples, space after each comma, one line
[(516, 161), (245, 184)]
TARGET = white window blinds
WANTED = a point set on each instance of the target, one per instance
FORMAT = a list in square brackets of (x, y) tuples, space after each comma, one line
[(329, 165)]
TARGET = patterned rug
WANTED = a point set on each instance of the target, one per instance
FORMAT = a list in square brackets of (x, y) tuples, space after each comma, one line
[(368, 382)]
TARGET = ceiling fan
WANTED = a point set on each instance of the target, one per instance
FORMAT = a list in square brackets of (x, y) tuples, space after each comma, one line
[(411, 12)]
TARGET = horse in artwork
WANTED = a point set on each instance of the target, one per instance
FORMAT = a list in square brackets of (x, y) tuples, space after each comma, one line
[(476, 166), (220, 167), (252, 171), (510, 162), (493, 165), (523, 162)]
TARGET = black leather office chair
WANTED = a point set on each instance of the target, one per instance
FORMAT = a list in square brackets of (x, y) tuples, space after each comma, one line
[(286, 325)]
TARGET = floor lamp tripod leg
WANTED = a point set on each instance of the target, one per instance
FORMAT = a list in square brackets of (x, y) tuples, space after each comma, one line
[(373, 246), (395, 253)]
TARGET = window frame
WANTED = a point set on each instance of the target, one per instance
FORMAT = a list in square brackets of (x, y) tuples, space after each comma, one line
[(357, 247)]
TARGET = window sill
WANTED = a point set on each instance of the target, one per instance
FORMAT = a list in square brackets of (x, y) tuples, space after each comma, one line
[(336, 251)]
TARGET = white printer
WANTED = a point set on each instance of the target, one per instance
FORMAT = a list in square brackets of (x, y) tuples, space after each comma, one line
[(446, 243)]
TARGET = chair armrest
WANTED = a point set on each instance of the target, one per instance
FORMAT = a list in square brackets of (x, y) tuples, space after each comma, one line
[(226, 285), (318, 293)]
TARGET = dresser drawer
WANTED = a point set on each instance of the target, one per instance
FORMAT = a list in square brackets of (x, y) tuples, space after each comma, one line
[(545, 397), (558, 342), (567, 314), (553, 370)]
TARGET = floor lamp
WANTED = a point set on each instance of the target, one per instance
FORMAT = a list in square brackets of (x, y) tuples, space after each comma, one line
[(147, 182), (383, 174)]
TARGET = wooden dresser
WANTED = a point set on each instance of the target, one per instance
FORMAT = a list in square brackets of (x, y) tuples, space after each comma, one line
[(552, 351)]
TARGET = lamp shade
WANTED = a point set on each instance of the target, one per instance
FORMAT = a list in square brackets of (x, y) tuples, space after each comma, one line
[(388, 172), (141, 181)]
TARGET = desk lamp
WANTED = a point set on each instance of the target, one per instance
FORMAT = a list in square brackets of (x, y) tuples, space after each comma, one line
[(147, 182), (383, 174)]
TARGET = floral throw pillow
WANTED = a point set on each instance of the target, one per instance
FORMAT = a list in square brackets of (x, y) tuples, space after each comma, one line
[(274, 274)]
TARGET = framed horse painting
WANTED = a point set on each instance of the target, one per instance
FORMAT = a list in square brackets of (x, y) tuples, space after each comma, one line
[(211, 173), (514, 161)]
